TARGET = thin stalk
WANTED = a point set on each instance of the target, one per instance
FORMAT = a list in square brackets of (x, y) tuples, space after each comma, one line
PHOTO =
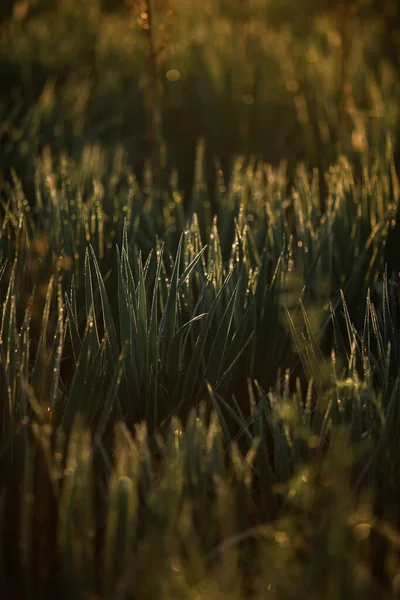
[(147, 15)]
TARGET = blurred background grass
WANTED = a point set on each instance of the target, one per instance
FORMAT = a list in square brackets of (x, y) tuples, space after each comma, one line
[(282, 80)]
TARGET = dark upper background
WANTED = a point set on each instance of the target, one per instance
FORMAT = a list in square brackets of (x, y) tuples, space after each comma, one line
[(299, 81)]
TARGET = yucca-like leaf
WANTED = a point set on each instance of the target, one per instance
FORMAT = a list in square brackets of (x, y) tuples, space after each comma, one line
[(73, 327), (141, 312), (152, 342), (108, 321), (193, 367), (174, 360), (111, 398), (169, 317), (90, 298), (9, 356), (81, 396)]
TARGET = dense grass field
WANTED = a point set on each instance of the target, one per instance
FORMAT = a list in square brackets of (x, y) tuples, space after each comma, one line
[(200, 301)]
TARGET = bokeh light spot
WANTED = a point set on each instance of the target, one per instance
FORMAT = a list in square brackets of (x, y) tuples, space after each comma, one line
[(173, 75)]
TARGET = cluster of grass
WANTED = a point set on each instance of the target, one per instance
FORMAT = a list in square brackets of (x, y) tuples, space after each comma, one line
[(199, 394), (173, 420)]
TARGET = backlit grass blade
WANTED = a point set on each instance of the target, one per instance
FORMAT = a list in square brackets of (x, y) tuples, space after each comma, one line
[(10, 355), (217, 354), (58, 345), (75, 337), (174, 357), (3, 268), (77, 401), (89, 297), (186, 273), (169, 317), (194, 365), (128, 331), (231, 365), (152, 344), (141, 312), (108, 321), (110, 398)]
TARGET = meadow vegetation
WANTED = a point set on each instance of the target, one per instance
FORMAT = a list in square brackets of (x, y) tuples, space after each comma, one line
[(200, 301)]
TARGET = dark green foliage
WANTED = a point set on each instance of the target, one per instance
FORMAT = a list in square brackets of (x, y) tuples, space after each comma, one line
[(232, 342), (199, 370)]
